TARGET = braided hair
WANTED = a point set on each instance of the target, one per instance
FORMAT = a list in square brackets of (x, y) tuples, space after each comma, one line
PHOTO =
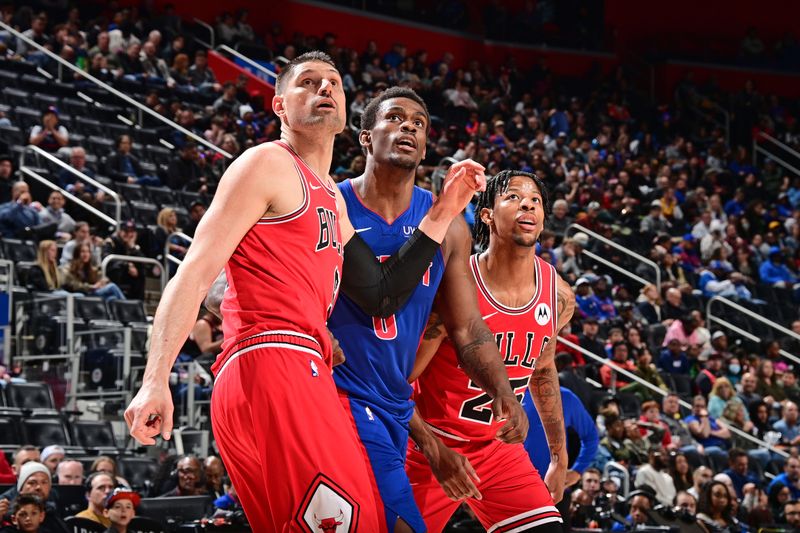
[(495, 185)]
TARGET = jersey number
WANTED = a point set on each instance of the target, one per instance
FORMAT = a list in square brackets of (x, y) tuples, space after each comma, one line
[(479, 408)]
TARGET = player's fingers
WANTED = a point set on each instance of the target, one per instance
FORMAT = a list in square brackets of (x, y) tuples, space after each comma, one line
[(481, 185), (472, 164), (471, 471), (166, 423)]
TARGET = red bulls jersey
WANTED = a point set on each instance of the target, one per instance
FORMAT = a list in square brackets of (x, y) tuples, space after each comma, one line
[(448, 400), (284, 276)]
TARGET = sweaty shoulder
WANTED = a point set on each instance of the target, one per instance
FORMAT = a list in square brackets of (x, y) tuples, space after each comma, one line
[(271, 170)]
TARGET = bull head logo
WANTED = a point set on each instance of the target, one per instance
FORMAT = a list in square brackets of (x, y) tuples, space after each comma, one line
[(329, 525)]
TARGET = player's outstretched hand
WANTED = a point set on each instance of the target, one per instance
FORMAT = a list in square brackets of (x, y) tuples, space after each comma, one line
[(455, 474), (463, 180), (507, 407), (150, 414), (555, 479)]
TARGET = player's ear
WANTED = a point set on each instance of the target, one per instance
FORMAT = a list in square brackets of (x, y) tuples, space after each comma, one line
[(486, 216), (365, 138), (277, 106)]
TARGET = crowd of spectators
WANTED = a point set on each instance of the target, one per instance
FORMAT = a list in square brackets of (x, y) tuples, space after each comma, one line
[(656, 178)]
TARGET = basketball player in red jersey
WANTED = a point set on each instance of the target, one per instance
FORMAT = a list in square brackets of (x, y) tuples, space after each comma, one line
[(279, 222), (525, 303)]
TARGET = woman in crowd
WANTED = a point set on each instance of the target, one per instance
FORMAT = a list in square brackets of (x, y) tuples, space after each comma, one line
[(47, 277), (714, 510), (82, 276), (680, 471), (723, 394), (108, 465), (167, 223), (649, 304), (767, 385), (778, 495), (81, 235)]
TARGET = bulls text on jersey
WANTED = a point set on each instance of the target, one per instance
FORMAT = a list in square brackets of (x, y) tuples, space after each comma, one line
[(511, 356), (328, 230)]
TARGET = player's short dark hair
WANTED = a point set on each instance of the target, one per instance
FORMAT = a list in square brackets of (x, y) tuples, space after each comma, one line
[(498, 184), (27, 499), (370, 114), (314, 55)]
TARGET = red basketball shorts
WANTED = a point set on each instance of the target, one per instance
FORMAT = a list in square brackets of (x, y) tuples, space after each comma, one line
[(289, 448), (514, 496)]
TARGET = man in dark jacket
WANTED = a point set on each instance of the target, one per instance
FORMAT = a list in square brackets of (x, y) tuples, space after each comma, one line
[(124, 167), (130, 277), (188, 172)]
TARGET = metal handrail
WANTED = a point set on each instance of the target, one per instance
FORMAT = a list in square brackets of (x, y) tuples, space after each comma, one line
[(774, 325), (91, 181), (44, 181), (167, 256), (626, 475), (662, 392), (115, 92), (609, 242), (761, 150), (210, 29), (135, 259), (257, 66)]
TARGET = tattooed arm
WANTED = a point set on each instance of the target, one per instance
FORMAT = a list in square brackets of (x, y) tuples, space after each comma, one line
[(457, 306), (547, 398)]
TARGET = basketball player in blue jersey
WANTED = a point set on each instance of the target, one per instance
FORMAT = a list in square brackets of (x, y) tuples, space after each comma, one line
[(385, 208)]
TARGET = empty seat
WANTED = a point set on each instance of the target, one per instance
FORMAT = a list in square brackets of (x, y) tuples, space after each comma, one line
[(75, 106), (26, 117), (15, 97), (94, 435), (161, 196), (45, 431), (8, 79), (13, 134), (10, 430), (132, 192), (43, 101), (128, 311), (31, 395), (34, 83), (139, 471), (91, 309), (144, 212)]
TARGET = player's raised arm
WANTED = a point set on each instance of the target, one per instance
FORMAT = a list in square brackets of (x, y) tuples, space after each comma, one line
[(245, 192), (381, 288), (474, 342), (546, 396)]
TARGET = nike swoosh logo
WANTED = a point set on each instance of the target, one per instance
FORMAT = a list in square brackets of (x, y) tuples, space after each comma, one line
[(489, 315), (359, 230), (314, 188)]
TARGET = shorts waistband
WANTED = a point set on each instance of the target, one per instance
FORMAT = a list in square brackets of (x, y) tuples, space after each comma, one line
[(286, 339)]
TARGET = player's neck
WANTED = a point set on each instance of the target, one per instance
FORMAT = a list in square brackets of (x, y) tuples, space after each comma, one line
[(385, 189), (509, 266), (314, 150)]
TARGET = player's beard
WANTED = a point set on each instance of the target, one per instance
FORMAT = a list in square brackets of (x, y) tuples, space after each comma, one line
[(528, 241), (405, 162)]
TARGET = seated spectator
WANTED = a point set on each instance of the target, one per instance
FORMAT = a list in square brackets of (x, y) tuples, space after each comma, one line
[(686, 330), (651, 425), (215, 476), (128, 276), (710, 371), (78, 187), (81, 235), (122, 166), (777, 496), (6, 177), (722, 394), (673, 308), (47, 277), (589, 339), (18, 215), (641, 502), (678, 429), (705, 429), (680, 471), (700, 477), (167, 224), (619, 359), (714, 509), (767, 385), (201, 76), (130, 63), (560, 220), (655, 222), (649, 304), (120, 508), (82, 276), (654, 475), (196, 211), (52, 456), (748, 390), (99, 486), (50, 136), (34, 478), (791, 512), (615, 442), (774, 272), (673, 359), (188, 172), (227, 101), (587, 302), (28, 513), (790, 385), (69, 472), (154, 69), (600, 288), (190, 482), (108, 465), (54, 214), (180, 72), (788, 426), (713, 283), (739, 471), (790, 477)]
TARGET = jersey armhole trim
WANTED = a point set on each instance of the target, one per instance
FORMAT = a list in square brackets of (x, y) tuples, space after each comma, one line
[(292, 214)]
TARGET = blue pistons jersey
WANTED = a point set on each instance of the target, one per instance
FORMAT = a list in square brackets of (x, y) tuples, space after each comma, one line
[(380, 353)]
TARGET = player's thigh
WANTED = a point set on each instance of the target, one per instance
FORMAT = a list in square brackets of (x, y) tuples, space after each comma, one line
[(433, 503), (514, 496), (310, 462), (378, 434)]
